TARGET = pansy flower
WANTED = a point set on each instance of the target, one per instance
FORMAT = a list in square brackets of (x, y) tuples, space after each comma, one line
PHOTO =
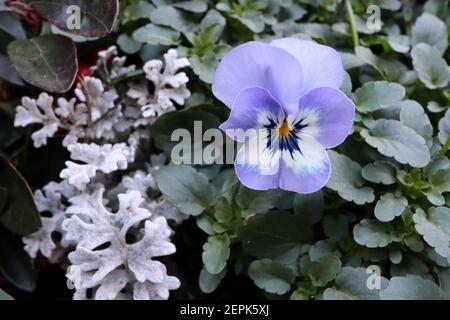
[(287, 95)]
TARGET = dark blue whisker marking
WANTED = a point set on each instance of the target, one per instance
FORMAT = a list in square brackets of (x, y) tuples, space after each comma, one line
[(289, 142)]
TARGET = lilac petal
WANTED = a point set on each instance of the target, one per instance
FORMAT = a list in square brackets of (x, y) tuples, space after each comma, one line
[(306, 171), (251, 110), (256, 166), (328, 114), (256, 64), (321, 65)]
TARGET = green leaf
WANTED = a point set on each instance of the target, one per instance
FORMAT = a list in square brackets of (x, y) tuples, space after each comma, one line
[(350, 60), (393, 139), (275, 235), (309, 207), (377, 95), (346, 179), (411, 287), (213, 24), (431, 30), (196, 6), (271, 276), (10, 23), (209, 282), (430, 66), (256, 201), (399, 43), (390, 206), (136, 10), (413, 116), (435, 228), (440, 183), (187, 189), (252, 19), (352, 284), (20, 214), (193, 144), (152, 34), (15, 264), (5, 296), (97, 16), (128, 44), (380, 172), (48, 62), (204, 67), (322, 270), (223, 211), (373, 234), (168, 16), (216, 253)]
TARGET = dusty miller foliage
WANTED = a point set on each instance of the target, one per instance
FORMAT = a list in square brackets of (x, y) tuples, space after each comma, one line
[(387, 204)]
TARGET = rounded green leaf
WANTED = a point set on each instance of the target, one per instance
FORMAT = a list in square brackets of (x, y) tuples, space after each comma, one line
[(373, 234), (377, 95), (431, 30), (435, 228), (393, 139), (208, 282), (389, 206), (271, 276), (380, 172), (187, 189), (352, 284), (432, 69), (411, 287), (347, 181), (152, 34), (216, 253)]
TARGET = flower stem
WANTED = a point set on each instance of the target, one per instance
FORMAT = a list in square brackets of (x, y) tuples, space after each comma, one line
[(351, 19), (445, 147)]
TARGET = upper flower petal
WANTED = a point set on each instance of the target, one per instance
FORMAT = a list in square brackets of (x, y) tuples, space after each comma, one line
[(256, 64), (321, 65), (327, 114), (306, 170)]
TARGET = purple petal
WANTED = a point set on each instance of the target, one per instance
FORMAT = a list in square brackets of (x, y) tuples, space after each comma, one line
[(321, 65), (256, 64), (256, 166), (306, 171), (328, 115), (251, 110)]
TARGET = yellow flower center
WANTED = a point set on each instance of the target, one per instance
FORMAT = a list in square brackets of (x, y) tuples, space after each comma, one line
[(284, 130)]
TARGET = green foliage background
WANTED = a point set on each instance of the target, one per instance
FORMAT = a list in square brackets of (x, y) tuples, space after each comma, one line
[(387, 203)]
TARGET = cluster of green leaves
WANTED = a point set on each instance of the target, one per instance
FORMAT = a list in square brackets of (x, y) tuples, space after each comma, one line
[(387, 202)]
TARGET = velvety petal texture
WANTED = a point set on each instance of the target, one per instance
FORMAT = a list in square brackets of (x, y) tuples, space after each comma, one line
[(256, 64), (329, 114), (284, 143), (321, 65)]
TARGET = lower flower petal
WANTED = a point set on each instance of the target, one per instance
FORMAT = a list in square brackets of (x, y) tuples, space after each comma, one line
[(306, 170), (257, 166), (327, 114)]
